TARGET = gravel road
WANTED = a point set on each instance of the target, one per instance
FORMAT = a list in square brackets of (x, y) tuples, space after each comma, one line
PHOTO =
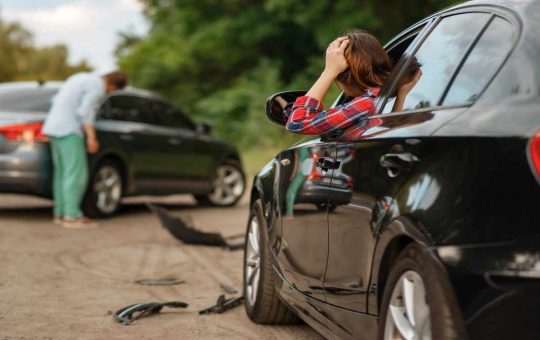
[(63, 284)]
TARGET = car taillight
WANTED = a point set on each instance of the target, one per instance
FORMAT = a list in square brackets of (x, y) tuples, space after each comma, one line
[(534, 153), (314, 173), (27, 132)]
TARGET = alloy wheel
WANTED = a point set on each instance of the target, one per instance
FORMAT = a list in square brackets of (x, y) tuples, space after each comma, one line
[(108, 189), (408, 313), (228, 185), (252, 270)]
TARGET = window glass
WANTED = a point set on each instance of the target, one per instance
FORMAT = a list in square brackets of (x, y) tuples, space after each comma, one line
[(167, 115), (24, 99), (128, 108), (439, 56), (482, 63)]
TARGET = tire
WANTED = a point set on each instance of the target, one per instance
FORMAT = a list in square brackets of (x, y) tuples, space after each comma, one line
[(422, 272), (231, 192), (261, 301), (105, 189)]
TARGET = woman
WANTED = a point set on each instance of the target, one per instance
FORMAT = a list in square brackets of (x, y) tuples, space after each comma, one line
[(359, 65)]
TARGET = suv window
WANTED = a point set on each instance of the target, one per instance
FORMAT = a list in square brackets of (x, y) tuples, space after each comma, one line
[(168, 115), (483, 62), (127, 108), (439, 56)]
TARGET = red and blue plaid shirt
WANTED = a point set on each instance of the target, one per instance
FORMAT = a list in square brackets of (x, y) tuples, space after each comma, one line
[(307, 116)]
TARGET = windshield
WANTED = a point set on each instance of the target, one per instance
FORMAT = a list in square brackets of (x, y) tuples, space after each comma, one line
[(26, 99)]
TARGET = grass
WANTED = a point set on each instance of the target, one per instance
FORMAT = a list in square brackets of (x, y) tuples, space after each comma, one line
[(254, 159)]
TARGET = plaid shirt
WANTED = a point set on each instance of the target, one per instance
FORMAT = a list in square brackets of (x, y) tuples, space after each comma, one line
[(307, 116)]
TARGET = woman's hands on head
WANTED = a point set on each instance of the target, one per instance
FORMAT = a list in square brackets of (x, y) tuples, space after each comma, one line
[(335, 56)]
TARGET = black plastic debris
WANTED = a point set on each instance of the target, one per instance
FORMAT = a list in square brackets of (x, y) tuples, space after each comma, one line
[(223, 305), (129, 314), (159, 282), (228, 289), (188, 234)]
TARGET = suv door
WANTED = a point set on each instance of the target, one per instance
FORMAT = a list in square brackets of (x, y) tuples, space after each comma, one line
[(384, 149), (190, 158), (123, 125)]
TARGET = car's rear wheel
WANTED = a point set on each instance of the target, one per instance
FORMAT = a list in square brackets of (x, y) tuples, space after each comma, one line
[(261, 301), (418, 301), (228, 185), (104, 195)]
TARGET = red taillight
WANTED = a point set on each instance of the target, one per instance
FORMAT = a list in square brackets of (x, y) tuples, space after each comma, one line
[(314, 173), (23, 132), (534, 153)]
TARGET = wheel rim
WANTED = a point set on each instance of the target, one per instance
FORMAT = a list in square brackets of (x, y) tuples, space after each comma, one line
[(228, 185), (408, 315), (252, 265), (108, 189)]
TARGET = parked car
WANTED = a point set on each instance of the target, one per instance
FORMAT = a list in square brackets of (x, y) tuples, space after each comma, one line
[(148, 147), (440, 238)]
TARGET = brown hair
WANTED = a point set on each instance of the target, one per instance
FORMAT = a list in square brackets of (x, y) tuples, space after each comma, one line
[(117, 78), (408, 75), (369, 65)]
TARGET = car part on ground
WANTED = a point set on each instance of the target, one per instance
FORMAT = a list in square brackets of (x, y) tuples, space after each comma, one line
[(223, 305), (228, 186), (418, 300), (159, 282), (106, 185), (228, 289), (262, 303), (127, 315), (189, 235)]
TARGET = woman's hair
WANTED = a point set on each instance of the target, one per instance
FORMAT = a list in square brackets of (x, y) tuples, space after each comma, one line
[(408, 75), (369, 65)]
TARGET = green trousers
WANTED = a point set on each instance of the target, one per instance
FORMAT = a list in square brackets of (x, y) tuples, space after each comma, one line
[(70, 174)]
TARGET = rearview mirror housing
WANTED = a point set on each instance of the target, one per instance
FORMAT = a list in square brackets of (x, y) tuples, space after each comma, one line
[(204, 128), (278, 102)]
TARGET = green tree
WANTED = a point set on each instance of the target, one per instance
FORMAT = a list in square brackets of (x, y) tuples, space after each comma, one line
[(220, 60), (20, 59)]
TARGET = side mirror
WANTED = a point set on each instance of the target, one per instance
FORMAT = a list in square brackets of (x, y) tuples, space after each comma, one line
[(204, 128), (277, 103)]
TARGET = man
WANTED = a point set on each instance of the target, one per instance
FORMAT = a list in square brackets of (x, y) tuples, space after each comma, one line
[(70, 120)]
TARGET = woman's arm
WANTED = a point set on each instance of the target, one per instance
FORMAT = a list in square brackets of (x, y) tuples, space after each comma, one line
[(404, 90), (334, 65)]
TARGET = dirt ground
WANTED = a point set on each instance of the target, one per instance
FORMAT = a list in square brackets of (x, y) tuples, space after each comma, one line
[(64, 284)]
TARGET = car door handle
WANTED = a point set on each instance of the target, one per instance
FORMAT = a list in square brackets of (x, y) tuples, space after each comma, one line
[(175, 141), (126, 137), (399, 161), (326, 163)]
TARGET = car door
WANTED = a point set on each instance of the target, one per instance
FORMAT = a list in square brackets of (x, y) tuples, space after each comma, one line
[(302, 203), (385, 148), (123, 126), (190, 156)]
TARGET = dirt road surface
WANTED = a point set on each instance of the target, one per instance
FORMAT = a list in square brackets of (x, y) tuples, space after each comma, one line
[(63, 284)]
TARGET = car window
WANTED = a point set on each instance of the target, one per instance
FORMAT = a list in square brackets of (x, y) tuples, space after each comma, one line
[(127, 108), (37, 99), (439, 56), (483, 62), (168, 115)]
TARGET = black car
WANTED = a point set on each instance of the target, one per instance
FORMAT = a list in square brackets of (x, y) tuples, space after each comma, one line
[(440, 238), (147, 147)]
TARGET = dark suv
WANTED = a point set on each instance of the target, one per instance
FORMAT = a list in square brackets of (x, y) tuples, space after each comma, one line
[(440, 238), (148, 146)]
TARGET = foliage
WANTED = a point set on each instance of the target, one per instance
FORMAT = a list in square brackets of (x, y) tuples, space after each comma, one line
[(220, 60), (21, 60)]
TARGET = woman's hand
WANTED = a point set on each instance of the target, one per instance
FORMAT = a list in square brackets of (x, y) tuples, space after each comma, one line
[(404, 90), (335, 56)]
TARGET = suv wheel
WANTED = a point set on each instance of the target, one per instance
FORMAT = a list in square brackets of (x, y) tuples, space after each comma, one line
[(104, 195), (418, 301), (261, 301), (228, 186)]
